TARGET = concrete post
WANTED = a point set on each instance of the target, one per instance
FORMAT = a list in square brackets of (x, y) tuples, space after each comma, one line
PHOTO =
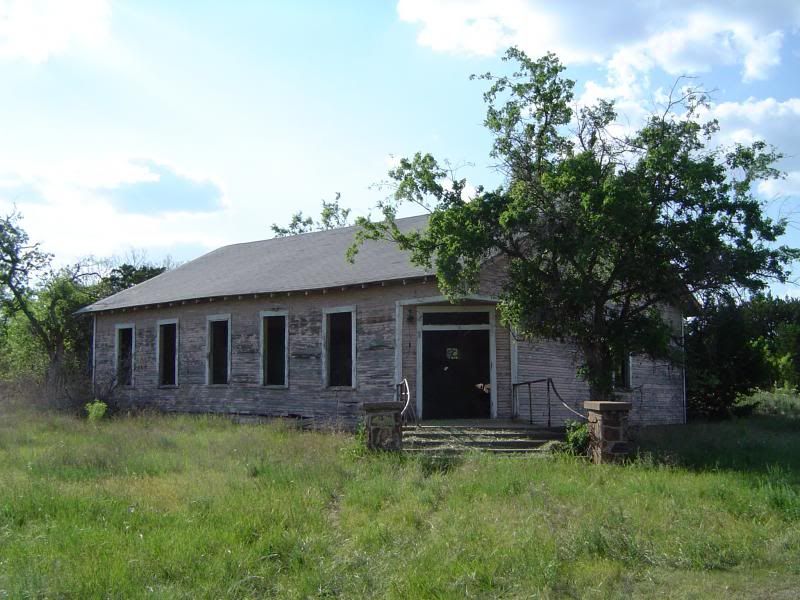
[(383, 425), (608, 430)]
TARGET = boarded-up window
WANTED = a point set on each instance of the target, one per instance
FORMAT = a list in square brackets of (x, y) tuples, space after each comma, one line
[(219, 351), (125, 356), (340, 348), (168, 354), (274, 350)]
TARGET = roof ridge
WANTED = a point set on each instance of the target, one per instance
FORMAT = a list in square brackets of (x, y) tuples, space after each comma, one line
[(332, 230)]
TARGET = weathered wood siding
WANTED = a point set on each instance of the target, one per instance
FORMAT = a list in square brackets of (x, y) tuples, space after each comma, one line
[(657, 388), (660, 401), (305, 395)]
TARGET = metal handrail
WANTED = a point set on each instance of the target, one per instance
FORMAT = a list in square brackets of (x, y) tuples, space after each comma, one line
[(402, 393), (550, 386)]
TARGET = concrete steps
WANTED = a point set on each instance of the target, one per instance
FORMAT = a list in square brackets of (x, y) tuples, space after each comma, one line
[(453, 439)]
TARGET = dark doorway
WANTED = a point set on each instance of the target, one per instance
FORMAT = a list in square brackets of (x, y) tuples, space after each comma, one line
[(456, 375)]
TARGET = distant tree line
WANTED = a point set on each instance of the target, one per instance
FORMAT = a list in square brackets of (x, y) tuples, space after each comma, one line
[(45, 347)]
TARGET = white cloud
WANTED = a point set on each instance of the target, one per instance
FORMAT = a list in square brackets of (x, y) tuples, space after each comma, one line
[(679, 37), (71, 208), (762, 54), (773, 121), (35, 30), (782, 188)]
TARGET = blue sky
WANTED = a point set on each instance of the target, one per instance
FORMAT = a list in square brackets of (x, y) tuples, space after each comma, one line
[(176, 127)]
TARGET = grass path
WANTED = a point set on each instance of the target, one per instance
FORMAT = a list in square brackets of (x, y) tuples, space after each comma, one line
[(195, 507)]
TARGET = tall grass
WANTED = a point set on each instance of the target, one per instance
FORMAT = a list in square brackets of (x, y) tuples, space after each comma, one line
[(197, 507)]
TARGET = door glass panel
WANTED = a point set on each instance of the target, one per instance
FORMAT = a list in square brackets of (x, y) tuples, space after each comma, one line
[(455, 318)]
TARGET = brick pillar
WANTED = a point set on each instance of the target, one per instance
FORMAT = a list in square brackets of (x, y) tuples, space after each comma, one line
[(383, 425), (608, 430)]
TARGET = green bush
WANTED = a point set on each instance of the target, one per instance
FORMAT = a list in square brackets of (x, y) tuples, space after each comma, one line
[(577, 438), (95, 411), (782, 402)]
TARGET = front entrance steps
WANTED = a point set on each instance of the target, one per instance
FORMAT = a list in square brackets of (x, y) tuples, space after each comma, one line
[(501, 437)]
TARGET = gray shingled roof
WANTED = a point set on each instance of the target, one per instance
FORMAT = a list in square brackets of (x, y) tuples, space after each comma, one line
[(301, 262)]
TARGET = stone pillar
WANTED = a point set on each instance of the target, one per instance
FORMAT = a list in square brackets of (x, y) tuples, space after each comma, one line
[(608, 430), (383, 425)]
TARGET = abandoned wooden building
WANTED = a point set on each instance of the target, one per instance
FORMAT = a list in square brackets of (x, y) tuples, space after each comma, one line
[(287, 327)]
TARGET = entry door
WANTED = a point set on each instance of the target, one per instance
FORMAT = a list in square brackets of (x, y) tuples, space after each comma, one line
[(456, 374)]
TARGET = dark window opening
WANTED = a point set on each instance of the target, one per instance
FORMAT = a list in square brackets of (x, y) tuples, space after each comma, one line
[(340, 349), (456, 318), (622, 371), (167, 354), (218, 355), (125, 356), (275, 350)]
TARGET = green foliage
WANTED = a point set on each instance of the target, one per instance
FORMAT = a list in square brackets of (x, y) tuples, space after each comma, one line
[(21, 354), (20, 262), (42, 339), (599, 232), (776, 325), (127, 275), (360, 439), (735, 348), (46, 342), (279, 513), (723, 359), (781, 402), (332, 216), (95, 411), (577, 438)]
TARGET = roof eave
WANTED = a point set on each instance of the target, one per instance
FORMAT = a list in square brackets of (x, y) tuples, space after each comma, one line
[(90, 309)]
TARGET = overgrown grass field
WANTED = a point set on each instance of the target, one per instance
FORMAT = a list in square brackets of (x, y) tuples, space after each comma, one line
[(197, 507)]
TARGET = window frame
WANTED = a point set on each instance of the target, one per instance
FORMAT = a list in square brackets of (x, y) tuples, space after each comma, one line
[(117, 328), (262, 348), (326, 347), (209, 320), (159, 323)]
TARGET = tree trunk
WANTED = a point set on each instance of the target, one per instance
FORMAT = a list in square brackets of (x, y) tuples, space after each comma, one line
[(598, 371), (55, 381)]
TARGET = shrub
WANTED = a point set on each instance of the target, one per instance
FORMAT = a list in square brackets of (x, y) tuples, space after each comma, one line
[(782, 402), (96, 410), (577, 438)]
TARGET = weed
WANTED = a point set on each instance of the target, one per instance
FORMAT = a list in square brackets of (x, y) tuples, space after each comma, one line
[(577, 438), (95, 411)]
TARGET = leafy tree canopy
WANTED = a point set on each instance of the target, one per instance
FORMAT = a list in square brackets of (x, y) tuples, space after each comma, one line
[(332, 216), (127, 275), (599, 230), (40, 333), (734, 348)]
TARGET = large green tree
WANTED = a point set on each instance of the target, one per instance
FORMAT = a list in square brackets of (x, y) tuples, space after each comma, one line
[(44, 300), (600, 231), (42, 339)]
